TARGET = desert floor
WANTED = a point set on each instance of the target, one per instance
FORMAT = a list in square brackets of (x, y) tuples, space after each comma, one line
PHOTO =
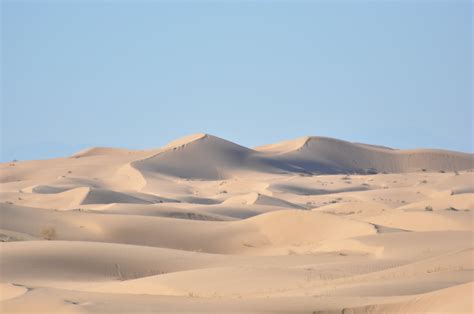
[(205, 225)]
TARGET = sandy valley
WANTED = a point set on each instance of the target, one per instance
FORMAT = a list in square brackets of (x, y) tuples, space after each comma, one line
[(312, 225)]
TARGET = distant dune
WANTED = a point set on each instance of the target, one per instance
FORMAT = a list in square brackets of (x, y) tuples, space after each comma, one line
[(327, 155), (311, 225)]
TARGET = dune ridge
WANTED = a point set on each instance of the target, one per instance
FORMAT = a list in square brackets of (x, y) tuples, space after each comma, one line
[(328, 155)]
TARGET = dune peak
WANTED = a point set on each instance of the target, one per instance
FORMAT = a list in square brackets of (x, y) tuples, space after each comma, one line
[(185, 140)]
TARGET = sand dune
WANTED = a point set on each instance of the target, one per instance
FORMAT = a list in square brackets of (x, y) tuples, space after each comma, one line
[(251, 235), (425, 220), (259, 199), (57, 263), (326, 155), (158, 211), (203, 156), (75, 197), (312, 225), (448, 300)]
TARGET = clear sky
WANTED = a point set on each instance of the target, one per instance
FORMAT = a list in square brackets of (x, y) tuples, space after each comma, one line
[(139, 74)]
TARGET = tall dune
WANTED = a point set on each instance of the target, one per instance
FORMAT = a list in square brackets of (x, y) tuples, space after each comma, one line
[(203, 156)]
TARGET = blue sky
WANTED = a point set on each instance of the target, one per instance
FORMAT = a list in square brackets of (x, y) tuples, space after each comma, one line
[(139, 74)]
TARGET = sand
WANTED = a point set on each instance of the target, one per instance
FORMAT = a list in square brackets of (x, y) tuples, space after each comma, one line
[(312, 225)]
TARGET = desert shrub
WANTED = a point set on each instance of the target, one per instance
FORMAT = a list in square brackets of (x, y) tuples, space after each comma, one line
[(452, 209), (48, 233), (429, 208)]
